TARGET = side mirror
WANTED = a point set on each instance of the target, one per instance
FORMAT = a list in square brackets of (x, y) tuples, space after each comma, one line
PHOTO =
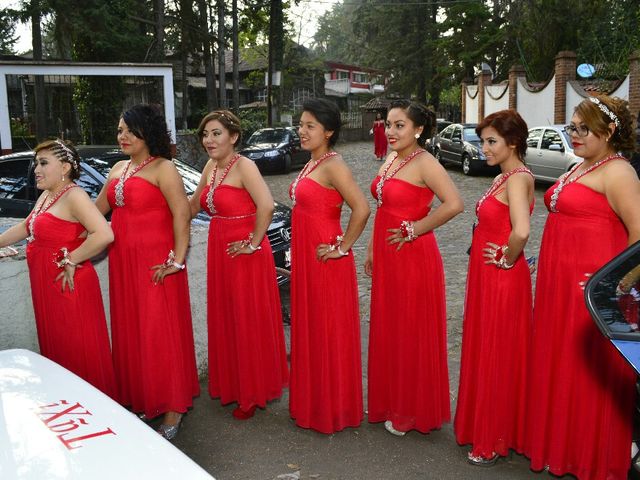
[(554, 147)]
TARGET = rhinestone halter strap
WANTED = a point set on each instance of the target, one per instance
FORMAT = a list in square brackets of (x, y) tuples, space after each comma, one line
[(497, 183), (563, 182), (308, 168), (213, 185), (126, 175), (43, 207), (384, 177)]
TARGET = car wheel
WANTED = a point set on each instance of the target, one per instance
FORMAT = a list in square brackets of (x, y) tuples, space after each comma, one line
[(466, 165), (287, 163)]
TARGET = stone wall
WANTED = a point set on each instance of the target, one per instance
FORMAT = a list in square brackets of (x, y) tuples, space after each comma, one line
[(190, 151)]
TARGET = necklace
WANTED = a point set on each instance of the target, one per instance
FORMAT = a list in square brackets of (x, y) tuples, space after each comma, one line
[(384, 177), (43, 207), (563, 182), (308, 168), (213, 185), (125, 175), (498, 183)]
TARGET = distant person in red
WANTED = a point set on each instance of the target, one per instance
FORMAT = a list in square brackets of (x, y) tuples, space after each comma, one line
[(379, 137)]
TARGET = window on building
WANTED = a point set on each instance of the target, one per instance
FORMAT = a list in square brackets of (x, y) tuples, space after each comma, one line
[(342, 75), (360, 78)]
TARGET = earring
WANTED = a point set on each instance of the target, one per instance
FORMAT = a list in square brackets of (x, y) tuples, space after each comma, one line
[(63, 178), (417, 135)]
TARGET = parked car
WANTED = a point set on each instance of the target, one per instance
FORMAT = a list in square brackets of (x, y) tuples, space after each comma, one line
[(612, 296), (459, 143), (441, 124), (18, 193), (549, 152), (275, 150)]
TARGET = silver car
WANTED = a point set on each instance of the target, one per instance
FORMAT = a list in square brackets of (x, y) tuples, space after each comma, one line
[(549, 152)]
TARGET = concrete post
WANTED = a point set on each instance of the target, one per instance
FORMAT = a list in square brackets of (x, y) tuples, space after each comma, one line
[(484, 80), (515, 72), (634, 85)]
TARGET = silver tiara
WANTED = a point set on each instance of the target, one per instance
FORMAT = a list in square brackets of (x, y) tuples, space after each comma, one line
[(606, 111), (69, 154)]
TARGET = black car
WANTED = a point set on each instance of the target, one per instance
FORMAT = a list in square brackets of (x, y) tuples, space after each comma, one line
[(459, 143), (441, 124), (18, 193), (275, 150)]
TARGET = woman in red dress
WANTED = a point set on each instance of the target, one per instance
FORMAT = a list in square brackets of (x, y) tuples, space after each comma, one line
[(151, 329), (379, 137), (326, 371), (490, 414), (408, 375), (63, 232), (580, 410), (247, 354)]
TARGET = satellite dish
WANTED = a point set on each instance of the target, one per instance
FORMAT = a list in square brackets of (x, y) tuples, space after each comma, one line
[(586, 70)]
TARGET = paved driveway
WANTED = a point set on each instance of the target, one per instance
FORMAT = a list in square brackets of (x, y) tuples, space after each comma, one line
[(270, 446)]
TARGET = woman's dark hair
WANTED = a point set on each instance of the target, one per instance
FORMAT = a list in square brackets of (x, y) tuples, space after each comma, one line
[(420, 115), (597, 121), (327, 113), (510, 126), (65, 152), (228, 121), (148, 123)]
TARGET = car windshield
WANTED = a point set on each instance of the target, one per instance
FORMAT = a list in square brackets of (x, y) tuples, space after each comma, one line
[(267, 136), (470, 134)]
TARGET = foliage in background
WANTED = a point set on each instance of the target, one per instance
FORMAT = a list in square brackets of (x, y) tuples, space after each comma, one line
[(8, 37), (251, 120)]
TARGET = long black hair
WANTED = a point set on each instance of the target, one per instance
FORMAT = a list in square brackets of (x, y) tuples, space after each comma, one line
[(327, 113), (148, 123), (420, 115)]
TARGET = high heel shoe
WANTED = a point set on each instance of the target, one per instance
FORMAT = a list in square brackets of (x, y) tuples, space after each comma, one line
[(389, 426), (481, 461), (241, 414), (170, 432)]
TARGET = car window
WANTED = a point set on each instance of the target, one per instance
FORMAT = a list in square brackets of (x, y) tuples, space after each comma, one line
[(295, 136), (446, 133), (550, 137), (534, 137), (14, 176), (457, 133), (190, 176), (470, 134), (90, 180), (266, 136)]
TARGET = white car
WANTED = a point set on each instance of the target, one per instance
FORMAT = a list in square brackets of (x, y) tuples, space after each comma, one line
[(549, 152), (54, 426)]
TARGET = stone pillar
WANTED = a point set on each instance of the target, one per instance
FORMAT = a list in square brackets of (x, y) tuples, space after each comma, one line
[(565, 71), (463, 103), (634, 85), (484, 80), (515, 72)]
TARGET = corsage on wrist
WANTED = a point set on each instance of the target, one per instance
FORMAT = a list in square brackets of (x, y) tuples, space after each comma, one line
[(171, 261), (500, 258), (61, 259), (407, 230), (334, 244), (247, 243)]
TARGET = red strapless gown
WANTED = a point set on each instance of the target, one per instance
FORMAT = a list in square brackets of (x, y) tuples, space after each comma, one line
[(379, 140), (581, 389), (152, 335), (72, 328), (498, 313), (247, 354), (408, 375), (326, 370)]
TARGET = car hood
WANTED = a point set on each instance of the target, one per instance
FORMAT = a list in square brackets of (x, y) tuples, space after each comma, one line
[(260, 146)]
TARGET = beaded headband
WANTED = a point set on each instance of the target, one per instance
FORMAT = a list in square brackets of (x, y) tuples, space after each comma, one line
[(68, 153), (227, 118), (606, 111)]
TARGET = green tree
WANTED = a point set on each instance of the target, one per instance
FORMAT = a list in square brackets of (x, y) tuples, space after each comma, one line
[(8, 37)]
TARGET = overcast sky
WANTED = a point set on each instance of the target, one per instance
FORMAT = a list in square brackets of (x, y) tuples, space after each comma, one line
[(304, 17)]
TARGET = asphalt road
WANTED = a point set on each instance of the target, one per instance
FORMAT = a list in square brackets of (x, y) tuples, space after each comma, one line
[(270, 446)]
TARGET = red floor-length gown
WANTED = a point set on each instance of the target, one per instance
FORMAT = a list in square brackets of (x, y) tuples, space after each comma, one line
[(408, 375), (379, 139), (326, 370), (151, 328), (247, 354), (581, 389), (72, 328), (492, 395)]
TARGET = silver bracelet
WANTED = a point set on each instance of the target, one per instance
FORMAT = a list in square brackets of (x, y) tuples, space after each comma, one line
[(254, 249), (179, 266), (343, 254)]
